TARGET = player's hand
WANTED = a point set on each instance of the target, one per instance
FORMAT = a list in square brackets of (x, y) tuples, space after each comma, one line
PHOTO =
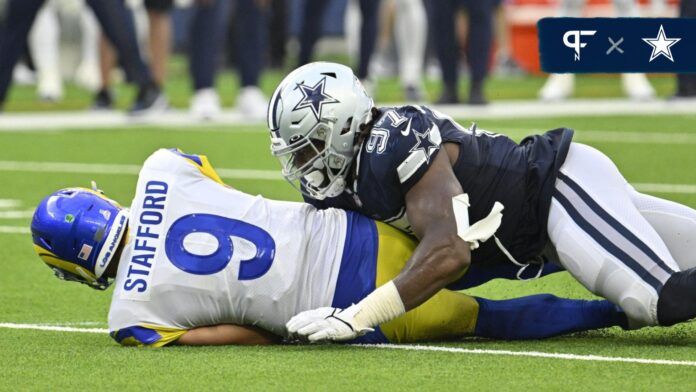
[(326, 324)]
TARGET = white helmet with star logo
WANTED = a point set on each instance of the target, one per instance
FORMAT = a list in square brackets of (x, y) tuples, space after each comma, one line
[(314, 116)]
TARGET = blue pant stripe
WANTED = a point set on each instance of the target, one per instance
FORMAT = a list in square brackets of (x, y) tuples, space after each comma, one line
[(605, 243), (615, 224)]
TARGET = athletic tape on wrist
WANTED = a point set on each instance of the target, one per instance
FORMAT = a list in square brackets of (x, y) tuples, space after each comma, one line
[(382, 305)]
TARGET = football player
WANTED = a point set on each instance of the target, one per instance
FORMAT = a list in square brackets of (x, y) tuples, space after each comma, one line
[(562, 201), (197, 262)]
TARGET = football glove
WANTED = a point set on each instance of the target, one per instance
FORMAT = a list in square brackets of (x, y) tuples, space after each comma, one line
[(326, 324)]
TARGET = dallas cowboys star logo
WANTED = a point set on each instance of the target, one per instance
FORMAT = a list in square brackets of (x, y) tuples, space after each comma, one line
[(661, 45), (425, 143), (314, 98)]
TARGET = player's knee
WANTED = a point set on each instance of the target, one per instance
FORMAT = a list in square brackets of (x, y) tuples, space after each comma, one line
[(677, 300)]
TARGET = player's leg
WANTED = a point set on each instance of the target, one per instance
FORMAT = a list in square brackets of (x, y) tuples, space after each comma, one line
[(609, 247), (87, 74), (411, 32), (117, 24), (251, 38), (310, 31), (674, 222), (44, 42), (19, 16), (207, 36), (450, 314), (446, 47), (160, 33), (479, 45), (369, 10)]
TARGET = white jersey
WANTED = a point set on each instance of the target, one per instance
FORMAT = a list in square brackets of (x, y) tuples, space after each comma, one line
[(200, 253)]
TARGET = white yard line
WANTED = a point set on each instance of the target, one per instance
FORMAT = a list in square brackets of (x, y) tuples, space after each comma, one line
[(100, 168), (10, 203), (16, 214), (51, 121), (244, 174), (43, 327), (533, 354), (14, 230)]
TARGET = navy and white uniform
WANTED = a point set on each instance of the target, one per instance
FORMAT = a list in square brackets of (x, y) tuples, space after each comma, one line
[(617, 242), (491, 167)]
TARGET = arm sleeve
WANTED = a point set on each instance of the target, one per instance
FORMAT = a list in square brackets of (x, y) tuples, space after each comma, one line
[(147, 335)]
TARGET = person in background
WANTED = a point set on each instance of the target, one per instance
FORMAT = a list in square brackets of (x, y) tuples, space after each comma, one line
[(116, 22), (478, 48), (406, 21), (686, 83), (159, 43), (160, 36), (207, 36), (311, 32)]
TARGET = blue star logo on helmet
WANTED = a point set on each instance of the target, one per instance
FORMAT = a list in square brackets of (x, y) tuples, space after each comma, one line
[(314, 98)]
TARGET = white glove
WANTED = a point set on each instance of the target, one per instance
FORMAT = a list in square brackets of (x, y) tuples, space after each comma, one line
[(326, 324), (479, 231)]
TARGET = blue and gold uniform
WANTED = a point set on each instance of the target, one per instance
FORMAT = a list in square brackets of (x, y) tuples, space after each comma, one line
[(200, 253), (374, 254)]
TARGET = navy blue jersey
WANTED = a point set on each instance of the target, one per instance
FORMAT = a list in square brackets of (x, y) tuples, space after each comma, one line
[(491, 167)]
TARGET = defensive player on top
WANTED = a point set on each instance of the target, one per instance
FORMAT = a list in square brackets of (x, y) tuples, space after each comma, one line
[(197, 262), (563, 202)]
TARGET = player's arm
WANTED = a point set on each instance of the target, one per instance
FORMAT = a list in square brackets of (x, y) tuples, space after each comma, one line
[(442, 256), (227, 334)]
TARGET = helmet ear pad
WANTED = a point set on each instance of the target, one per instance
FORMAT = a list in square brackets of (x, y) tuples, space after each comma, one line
[(77, 232)]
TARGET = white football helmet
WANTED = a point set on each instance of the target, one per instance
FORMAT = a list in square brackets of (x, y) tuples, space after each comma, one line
[(314, 117)]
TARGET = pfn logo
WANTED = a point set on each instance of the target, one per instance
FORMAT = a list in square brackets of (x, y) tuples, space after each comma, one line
[(572, 39)]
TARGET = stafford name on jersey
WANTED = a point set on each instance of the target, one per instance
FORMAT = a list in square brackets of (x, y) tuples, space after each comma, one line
[(147, 234)]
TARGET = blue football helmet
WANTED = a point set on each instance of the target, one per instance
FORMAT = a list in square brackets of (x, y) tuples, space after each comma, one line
[(76, 232)]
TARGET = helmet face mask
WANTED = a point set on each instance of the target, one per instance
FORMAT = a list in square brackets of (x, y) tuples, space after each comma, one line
[(314, 117), (77, 233), (311, 166)]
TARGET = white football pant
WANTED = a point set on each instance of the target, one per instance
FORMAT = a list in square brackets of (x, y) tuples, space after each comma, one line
[(620, 244)]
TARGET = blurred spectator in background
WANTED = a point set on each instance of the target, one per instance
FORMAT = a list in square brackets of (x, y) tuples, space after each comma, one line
[(278, 34), (686, 83), (207, 38), (406, 21), (478, 46), (561, 86), (505, 64), (44, 46), (117, 24), (311, 31), (160, 36), (159, 48)]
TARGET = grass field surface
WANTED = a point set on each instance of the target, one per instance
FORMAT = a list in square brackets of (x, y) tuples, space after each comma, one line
[(58, 360)]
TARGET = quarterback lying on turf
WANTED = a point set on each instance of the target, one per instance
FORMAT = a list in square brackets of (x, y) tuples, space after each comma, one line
[(194, 261)]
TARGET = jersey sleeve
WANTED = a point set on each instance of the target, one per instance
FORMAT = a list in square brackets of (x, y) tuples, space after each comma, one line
[(147, 335), (402, 146)]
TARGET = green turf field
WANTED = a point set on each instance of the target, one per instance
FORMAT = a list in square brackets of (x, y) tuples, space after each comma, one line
[(44, 360)]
